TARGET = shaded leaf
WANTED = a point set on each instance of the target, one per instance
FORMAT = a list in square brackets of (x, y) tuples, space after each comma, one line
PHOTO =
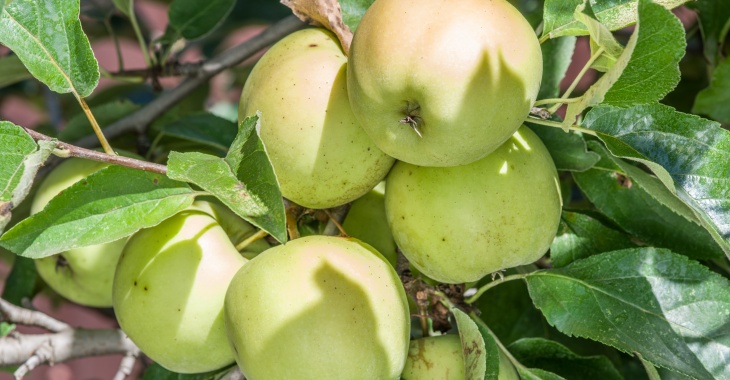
[(554, 357), (581, 236), (714, 20), (615, 14), (108, 205), (206, 129), (673, 311), (48, 39), (353, 10), (568, 150), (556, 57), (647, 69), (695, 152), (491, 350), (600, 38), (21, 281), (713, 101), (79, 126), (20, 158), (194, 19), (12, 70), (244, 180), (651, 371), (537, 374)]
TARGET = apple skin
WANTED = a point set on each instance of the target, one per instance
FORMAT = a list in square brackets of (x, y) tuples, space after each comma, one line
[(320, 154), (366, 221), (466, 71), (318, 307), (169, 289), (441, 358), (82, 275), (461, 223)]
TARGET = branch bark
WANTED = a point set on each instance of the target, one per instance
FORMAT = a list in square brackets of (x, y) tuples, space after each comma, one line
[(142, 117), (65, 343)]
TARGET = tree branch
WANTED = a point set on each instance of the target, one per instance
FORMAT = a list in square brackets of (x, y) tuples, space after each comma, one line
[(142, 117), (66, 343), (74, 151)]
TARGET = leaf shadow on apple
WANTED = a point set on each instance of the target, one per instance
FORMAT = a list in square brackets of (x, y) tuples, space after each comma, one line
[(167, 303), (334, 338)]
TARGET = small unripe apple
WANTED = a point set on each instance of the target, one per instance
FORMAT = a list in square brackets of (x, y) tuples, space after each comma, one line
[(320, 154), (318, 307), (169, 289), (458, 224), (442, 358), (440, 82), (82, 275), (366, 221)]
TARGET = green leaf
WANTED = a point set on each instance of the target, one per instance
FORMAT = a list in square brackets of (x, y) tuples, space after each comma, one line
[(48, 39), (714, 20), (614, 14), (581, 236), (491, 350), (568, 150), (472, 344), (194, 19), (244, 180), (695, 152), (713, 100), (644, 207), (78, 126), (600, 38), (554, 357), (125, 6), (673, 311), (5, 328), (108, 205), (556, 57), (12, 70), (648, 68), (20, 158), (21, 281), (353, 10), (651, 371), (537, 374), (206, 129)]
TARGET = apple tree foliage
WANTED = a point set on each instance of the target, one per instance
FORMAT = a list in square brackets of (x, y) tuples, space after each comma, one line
[(635, 284)]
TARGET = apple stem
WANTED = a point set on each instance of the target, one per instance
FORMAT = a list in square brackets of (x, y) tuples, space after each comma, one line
[(412, 117)]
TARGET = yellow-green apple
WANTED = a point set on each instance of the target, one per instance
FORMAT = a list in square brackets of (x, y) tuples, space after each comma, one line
[(169, 288), (320, 154), (82, 275), (318, 307), (442, 83), (366, 221), (442, 358), (460, 223)]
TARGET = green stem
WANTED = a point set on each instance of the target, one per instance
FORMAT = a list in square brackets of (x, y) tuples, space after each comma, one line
[(95, 125), (492, 284), (555, 101), (577, 79), (556, 124), (120, 60), (140, 39), (246, 242)]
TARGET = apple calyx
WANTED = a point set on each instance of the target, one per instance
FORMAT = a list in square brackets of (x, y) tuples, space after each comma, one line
[(412, 118)]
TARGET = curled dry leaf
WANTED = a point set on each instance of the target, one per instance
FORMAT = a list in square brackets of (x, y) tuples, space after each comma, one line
[(323, 13)]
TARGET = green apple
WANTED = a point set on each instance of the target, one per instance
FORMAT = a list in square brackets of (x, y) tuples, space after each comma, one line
[(461, 223), (442, 83), (82, 275), (320, 154), (169, 289), (318, 307), (441, 358), (366, 221)]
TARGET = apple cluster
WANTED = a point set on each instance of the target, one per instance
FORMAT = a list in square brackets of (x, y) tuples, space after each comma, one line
[(431, 101)]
